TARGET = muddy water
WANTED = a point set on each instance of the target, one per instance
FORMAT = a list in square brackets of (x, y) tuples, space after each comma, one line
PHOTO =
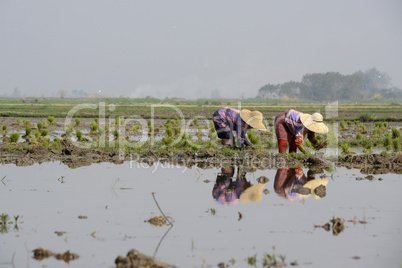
[(116, 200)]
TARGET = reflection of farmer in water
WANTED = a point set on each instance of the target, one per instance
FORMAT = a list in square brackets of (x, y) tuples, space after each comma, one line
[(292, 184), (230, 190)]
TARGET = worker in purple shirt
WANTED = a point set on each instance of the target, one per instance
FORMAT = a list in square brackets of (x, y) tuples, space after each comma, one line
[(227, 120)]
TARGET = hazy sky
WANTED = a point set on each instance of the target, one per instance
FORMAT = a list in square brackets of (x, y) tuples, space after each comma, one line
[(189, 48)]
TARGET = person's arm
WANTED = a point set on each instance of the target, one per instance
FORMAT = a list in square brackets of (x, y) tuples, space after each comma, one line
[(317, 144)]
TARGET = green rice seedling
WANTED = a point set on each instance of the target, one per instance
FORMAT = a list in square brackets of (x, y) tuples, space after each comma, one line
[(149, 122), (396, 144), (270, 144), (55, 145), (27, 132), (167, 140), (169, 132), (56, 140), (168, 125), (4, 218), (356, 122), (362, 128), (342, 125), (345, 148), (45, 143), (195, 121), (96, 120), (39, 126), (26, 122), (14, 137), (78, 134), (396, 134), (168, 121), (369, 148), (366, 117), (18, 121), (358, 136), (69, 130), (45, 124), (115, 134), (177, 131), (44, 133), (253, 138), (151, 129), (212, 126), (349, 123), (135, 128), (51, 119), (228, 152), (332, 121), (376, 131), (386, 124), (4, 129), (106, 128), (94, 127), (318, 137), (176, 120), (37, 134), (77, 122)]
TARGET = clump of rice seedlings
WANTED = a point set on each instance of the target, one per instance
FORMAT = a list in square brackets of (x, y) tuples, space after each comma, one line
[(78, 134), (45, 143), (45, 124), (4, 218), (356, 122), (55, 145), (93, 127), (195, 122), (4, 129), (396, 144), (77, 122), (376, 131), (26, 122), (177, 131), (176, 120), (168, 121), (14, 137), (379, 124), (270, 144), (386, 124), (212, 126), (167, 140), (39, 126), (349, 123), (345, 148), (51, 119), (369, 148), (388, 141), (135, 128), (28, 131), (169, 131), (37, 134), (69, 130), (342, 125), (332, 121), (151, 129), (366, 117), (18, 121), (185, 141), (115, 134), (253, 138), (149, 122), (396, 134), (362, 128), (358, 136), (44, 133)]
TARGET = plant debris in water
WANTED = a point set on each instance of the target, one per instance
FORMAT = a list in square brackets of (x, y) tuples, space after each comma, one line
[(137, 259), (157, 221), (40, 254)]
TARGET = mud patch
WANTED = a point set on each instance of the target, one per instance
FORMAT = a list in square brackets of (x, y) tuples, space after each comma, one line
[(40, 254), (137, 259)]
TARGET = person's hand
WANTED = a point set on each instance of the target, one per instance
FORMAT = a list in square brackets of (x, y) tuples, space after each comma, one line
[(319, 145)]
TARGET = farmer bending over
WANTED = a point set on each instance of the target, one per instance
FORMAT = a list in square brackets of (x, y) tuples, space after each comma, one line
[(227, 119), (291, 126)]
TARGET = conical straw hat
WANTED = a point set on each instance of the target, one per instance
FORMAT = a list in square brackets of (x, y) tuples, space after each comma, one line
[(314, 122), (252, 193), (253, 118)]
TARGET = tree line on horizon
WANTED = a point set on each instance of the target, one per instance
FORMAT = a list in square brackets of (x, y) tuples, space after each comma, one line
[(332, 86)]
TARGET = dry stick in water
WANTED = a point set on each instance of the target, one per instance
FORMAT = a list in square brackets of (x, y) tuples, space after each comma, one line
[(156, 202)]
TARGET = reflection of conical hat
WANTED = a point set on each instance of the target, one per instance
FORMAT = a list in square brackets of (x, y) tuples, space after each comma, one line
[(252, 193), (314, 122), (253, 118), (313, 184)]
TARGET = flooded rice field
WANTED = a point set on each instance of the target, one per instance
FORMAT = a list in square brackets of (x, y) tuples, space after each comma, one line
[(220, 216)]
